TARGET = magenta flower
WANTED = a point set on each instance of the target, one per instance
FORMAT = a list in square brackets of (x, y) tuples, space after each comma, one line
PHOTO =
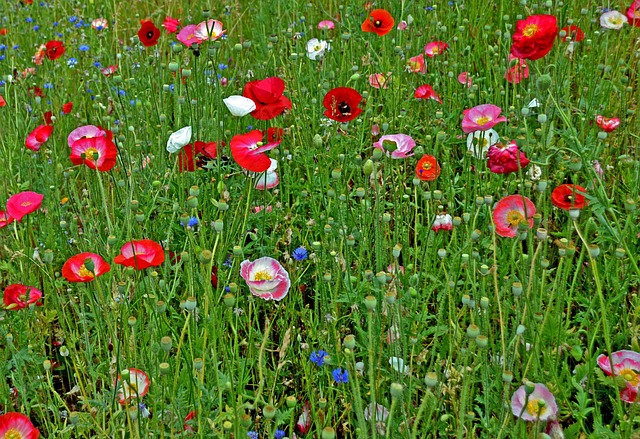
[(481, 118), (505, 159), (435, 48), (266, 278), (23, 203), (626, 364), (510, 211), (465, 79), (397, 146), (426, 92), (187, 35), (85, 131), (540, 405), (326, 25)]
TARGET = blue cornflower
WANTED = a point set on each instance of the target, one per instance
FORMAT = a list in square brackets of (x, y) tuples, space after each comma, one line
[(29, 20), (36, 28), (193, 221), (2, 57), (121, 92), (83, 48), (71, 62), (48, 85), (59, 35), (252, 435), (15, 47), (97, 64), (78, 24), (73, 19), (3, 47), (55, 23), (227, 289), (300, 254), (318, 357), (227, 262), (222, 66), (340, 376), (428, 8), (279, 434)]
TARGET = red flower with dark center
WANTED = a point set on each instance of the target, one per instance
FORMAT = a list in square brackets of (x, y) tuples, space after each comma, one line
[(534, 36), (569, 196), (54, 49), (574, 32), (195, 156), (84, 267), (38, 137), (148, 33), (249, 151), (427, 168), (342, 104), (379, 22), (140, 254), (99, 153), (268, 97)]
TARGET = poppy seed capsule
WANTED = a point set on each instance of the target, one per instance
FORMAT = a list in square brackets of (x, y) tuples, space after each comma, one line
[(473, 331), (328, 433), (370, 302), (165, 369), (396, 390), (431, 379)]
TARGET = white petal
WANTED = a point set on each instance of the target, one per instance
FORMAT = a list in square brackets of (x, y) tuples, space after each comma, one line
[(239, 105), (179, 139)]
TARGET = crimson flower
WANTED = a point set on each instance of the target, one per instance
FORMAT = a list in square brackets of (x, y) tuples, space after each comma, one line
[(426, 92), (148, 33), (18, 296), (38, 137), (66, 108), (342, 104), (23, 203), (193, 156), (534, 36), (268, 97), (633, 13), (505, 159), (140, 254), (84, 267), (569, 196), (574, 32), (103, 147), (379, 22), (607, 124), (249, 151), (54, 49), (171, 24), (5, 219)]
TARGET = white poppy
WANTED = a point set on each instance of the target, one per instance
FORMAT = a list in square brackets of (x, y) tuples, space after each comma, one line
[(239, 105), (316, 48), (479, 142), (179, 139), (613, 20), (398, 364)]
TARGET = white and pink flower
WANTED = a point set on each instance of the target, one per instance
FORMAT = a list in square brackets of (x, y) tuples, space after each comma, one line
[(396, 146), (539, 405), (135, 387), (266, 278), (626, 364)]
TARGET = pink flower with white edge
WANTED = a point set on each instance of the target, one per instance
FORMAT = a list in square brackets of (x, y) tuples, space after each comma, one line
[(443, 221), (416, 64), (626, 364), (187, 35), (510, 211), (435, 48), (209, 30), (539, 405), (481, 118), (268, 179), (465, 79), (397, 146), (86, 131), (426, 92), (38, 137), (266, 278), (326, 25), (135, 387), (607, 124)]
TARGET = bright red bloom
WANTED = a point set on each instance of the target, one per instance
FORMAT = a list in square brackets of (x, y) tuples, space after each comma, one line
[(76, 270), (140, 254), (504, 159), (342, 104), (5, 219), (534, 36), (187, 426), (24, 203), (90, 146), (2, 101), (607, 124), (54, 49), (517, 71), (48, 117), (510, 212), (36, 91), (435, 48), (268, 97), (192, 156), (66, 108), (633, 13), (171, 24), (37, 137), (569, 196), (4, 31), (426, 92), (379, 22), (18, 296), (18, 426), (249, 152), (574, 32), (148, 33), (427, 168)]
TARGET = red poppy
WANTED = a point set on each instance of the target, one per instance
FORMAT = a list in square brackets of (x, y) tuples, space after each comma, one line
[(17, 425), (140, 254), (36, 91), (5, 219), (379, 22), (268, 97), (4, 31), (148, 33), (274, 134), (171, 24), (633, 13), (574, 32), (18, 296), (108, 71), (23, 203), (2, 101), (66, 108), (534, 36), (517, 71), (84, 267), (103, 147), (48, 117), (427, 168), (188, 421), (193, 156), (607, 124), (37, 137), (569, 196), (54, 49), (342, 104), (249, 152), (426, 92), (133, 388)]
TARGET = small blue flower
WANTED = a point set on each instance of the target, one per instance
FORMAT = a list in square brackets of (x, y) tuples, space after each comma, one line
[(48, 85), (428, 8), (83, 48), (97, 64), (78, 24), (3, 47), (121, 92), (55, 23), (222, 66), (59, 35), (252, 435), (318, 357), (71, 62), (15, 47), (193, 221), (36, 28), (279, 434), (2, 57), (73, 19), (227, 262), (300, 254), (29, 20), (227, 289), (340, 376)]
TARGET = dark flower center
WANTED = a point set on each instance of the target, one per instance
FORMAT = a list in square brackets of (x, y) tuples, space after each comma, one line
[(377, 23), (344, 108), (150, 34)]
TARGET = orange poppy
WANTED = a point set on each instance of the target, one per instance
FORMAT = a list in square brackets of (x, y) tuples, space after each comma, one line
[(427, 168), (379, 21)]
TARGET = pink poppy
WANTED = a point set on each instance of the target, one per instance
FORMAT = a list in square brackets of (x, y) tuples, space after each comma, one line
[(100, 23), (134, 388), (326, 25), (187, 35), (209, 30), (249, 152), (99, 153), (5, 219), (443, 221), (18, 296), (416, 64), (171, 24), (481, 118), (517, 71), (426, 92), (540, 405), (303, 425), (15, 425), (626, 364), (435, 48), (38, 137), (266, 278), (378, 80), (505, 159), (465, 79), (510, 211), (108, 71), (633, 13), (397, 146), (23, 203), (268, 179), (402, 25), (607, 124), (87, 131)]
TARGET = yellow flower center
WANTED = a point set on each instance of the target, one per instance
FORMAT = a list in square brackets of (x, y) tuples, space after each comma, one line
[(615, 20), (317, 48), (90, 153), (26, 203), (514, 217), (130, 388), (535, 407), (84, 272), (413, 66), (263, 275), (483, 120), (636, 13), (530, 30), (12, 433), (630, 376), (426, 166)]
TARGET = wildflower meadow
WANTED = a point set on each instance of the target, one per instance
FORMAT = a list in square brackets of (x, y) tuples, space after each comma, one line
[(324, 219)]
